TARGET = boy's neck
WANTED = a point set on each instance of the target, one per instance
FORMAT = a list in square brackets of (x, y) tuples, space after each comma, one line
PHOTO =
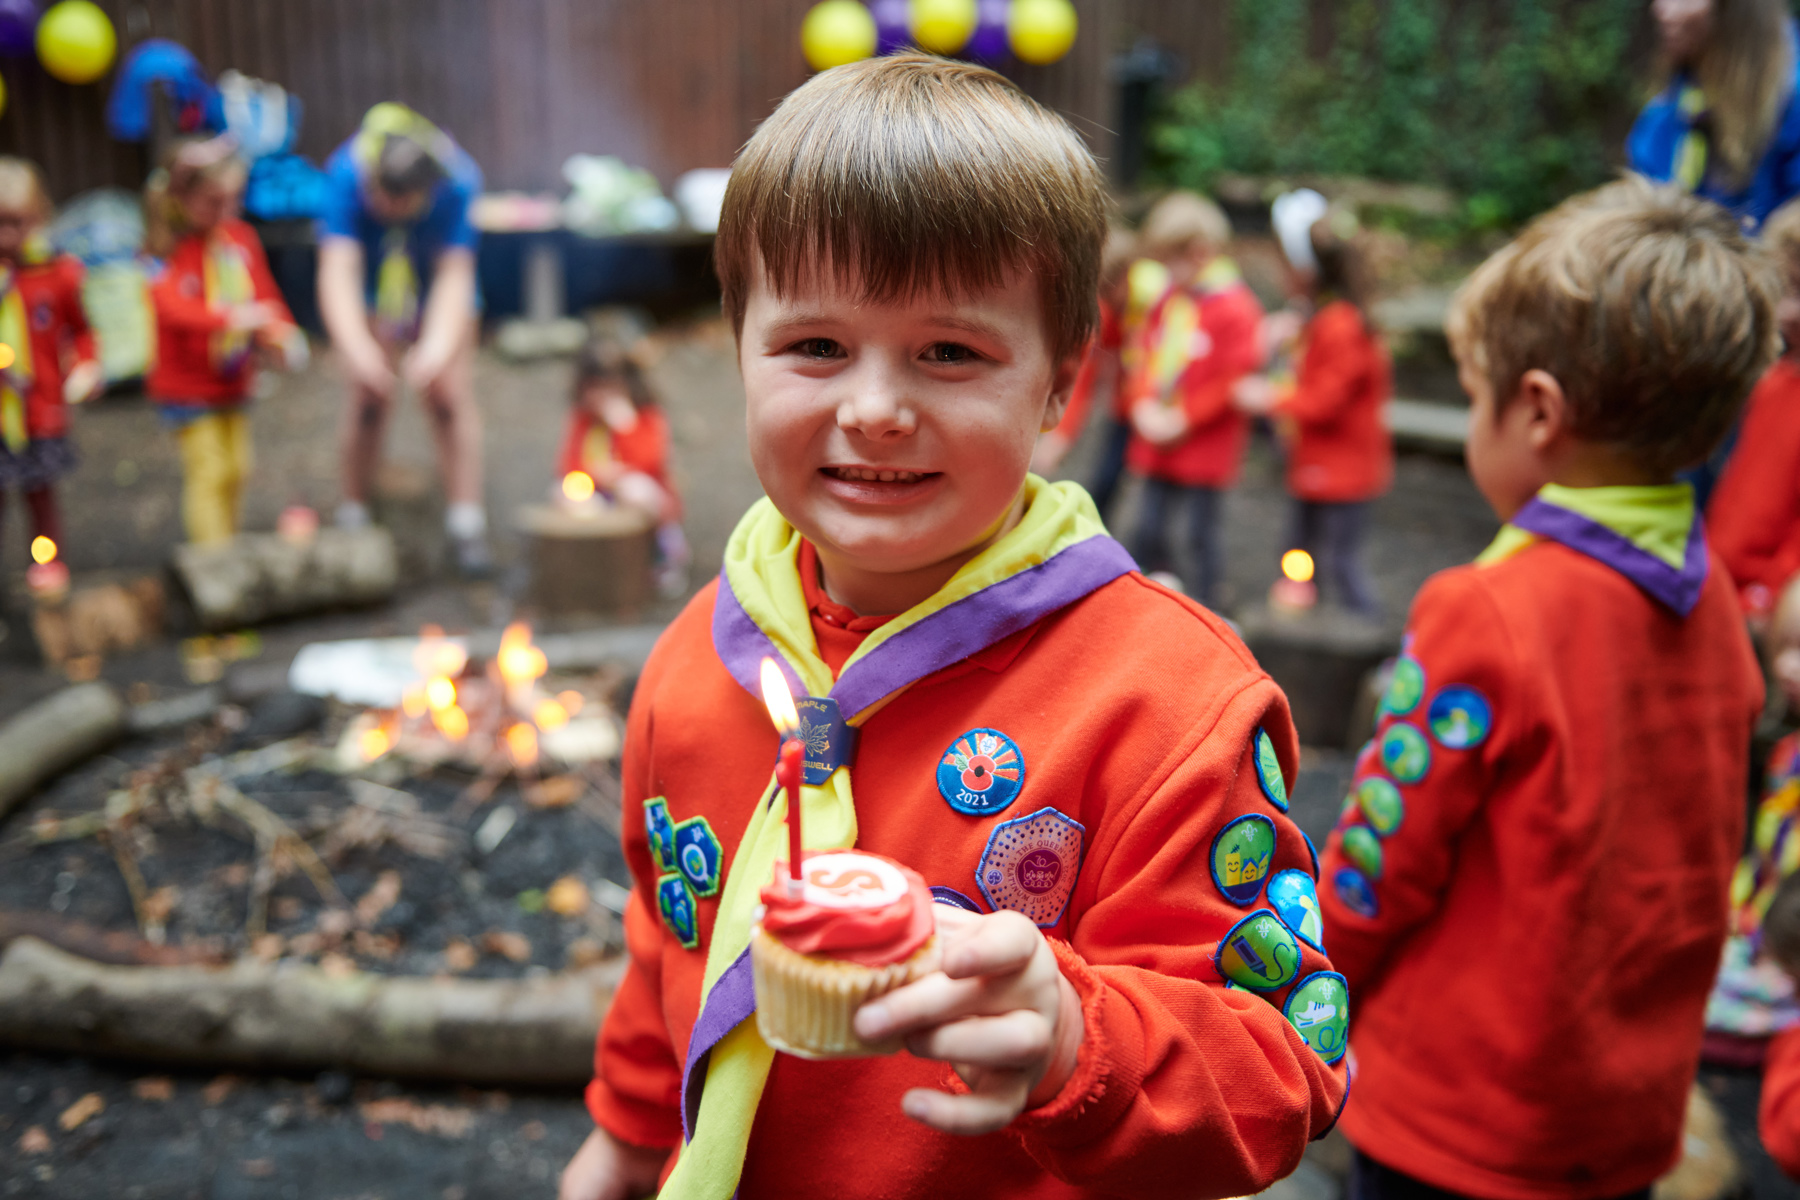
[(1590, 464), (871, 593)]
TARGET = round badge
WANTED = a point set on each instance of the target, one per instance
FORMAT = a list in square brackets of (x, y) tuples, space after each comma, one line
[(1406, 688), (1380, 804), (1356, 892), (1363, 848), (1460, 717), (1268, 771), (1296, 901), (1319, 1008), (1241, 853), (1259, 952), (1030, 864), (1405, 752), (981, 773)]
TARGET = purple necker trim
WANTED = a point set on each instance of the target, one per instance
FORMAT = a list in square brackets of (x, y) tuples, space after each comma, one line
[(731, 1000), (1678, 590), (742, 645)]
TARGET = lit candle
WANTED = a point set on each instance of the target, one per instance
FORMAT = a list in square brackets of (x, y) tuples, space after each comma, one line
[(1294, 591), (780, 703), (48, 576)]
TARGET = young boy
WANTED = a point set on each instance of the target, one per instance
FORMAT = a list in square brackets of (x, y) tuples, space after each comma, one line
[(1528, 891), (908, 252), (1779, 1119), (1198, 342)]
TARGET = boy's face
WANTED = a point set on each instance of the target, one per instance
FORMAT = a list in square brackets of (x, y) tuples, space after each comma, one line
[(1502, 459), (16, 225), (895, 435), (212, 201)]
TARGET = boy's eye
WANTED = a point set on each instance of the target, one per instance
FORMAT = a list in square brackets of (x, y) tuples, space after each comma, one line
[(953, 354), (817, 347)]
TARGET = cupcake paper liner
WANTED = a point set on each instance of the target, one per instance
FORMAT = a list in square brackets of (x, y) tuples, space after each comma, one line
[(805, 1003)]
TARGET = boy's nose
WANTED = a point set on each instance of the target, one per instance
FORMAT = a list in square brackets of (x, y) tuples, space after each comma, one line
[(876, 405)]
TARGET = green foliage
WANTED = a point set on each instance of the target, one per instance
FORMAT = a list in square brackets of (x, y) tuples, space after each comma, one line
[(1512, 104)]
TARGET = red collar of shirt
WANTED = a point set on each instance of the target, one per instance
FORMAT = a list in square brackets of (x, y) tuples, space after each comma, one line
[(837, 628)]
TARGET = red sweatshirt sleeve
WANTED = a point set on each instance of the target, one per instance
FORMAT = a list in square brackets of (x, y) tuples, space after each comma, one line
[(1753, 519), (1179, 1077), (1778, 1120), (1390, 876), (73, 314), (1336, 360), (573, 436), (1231, 323), (178, 304)]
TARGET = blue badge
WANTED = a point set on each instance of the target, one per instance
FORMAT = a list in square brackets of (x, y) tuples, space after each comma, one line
[(1241, 854), (1356, 892), (1460, 717), (1296, 901), (1030, 865), (679, 913), (1405, 752), (954, 898), (661, 832), (1319, 1009), (1268, 771), (697, 855), (1259, 952), (828, 742), (981, 773)]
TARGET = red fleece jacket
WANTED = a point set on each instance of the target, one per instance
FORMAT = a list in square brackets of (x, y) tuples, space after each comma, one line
[(1100, 367), (1341, 451), (1530, 947), (1754, 515), (60, 338), (1134, 712), (184, 372), (1778, 1121), (1227, 348)]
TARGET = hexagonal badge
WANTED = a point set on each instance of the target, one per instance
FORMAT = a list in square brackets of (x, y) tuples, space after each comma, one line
[(1030, 865), (679, 913), (698, 856), (661, 832)]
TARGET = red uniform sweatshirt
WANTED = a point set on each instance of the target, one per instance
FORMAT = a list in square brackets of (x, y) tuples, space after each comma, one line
[(1135, 716), (1100, 367), (1226, 348), (1528, 888), (644, 448), (1778, 1121), (51, 292), (1341, 451), (185, 373), (1754, 515)]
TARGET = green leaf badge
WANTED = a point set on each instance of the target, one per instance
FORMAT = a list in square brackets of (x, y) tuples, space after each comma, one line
[(1406, 688), (1380, 804), (1363, 849)]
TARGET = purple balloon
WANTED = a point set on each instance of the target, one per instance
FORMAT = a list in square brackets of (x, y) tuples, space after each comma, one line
[(989, 44), (18, 26), (891, 30)]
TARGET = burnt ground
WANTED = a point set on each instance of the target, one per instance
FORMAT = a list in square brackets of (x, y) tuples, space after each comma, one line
[(162, 1135)]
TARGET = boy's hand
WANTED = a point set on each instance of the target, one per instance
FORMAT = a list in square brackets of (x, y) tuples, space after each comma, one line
[(83, 383), (605, 1168), (249, 317), (999, 1011), (1254, 394), (1159, 424)]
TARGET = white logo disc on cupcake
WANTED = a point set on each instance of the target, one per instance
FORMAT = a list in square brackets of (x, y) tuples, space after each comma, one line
[(851, 880)]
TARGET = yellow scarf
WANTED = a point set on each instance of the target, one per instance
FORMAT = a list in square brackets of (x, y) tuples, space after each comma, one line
[(1180, 340), (226, 283), (1057, 553), (16, 378)]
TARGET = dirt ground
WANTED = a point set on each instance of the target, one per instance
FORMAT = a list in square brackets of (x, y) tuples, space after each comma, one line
[(332, 1137)]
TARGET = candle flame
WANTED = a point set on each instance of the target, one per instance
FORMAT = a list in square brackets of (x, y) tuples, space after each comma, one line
[(519, 661), (550, 715), (778, 698), (452, 722), (43, 550), (440, 693), (522, 743), (1297, 565), (578, 486)]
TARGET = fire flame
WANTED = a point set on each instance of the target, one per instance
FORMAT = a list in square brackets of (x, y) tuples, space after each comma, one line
[(43, 550), (778, 698), (374, 743), (413, 702), (440, 693), (570, 700), (1297, 565), (452, 722), (437, 655), (550, 715), (522, 743), (578, 486), (520, 663)]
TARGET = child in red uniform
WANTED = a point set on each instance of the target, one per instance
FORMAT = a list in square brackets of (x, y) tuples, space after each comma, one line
[(1779, 1119), (1754, 516), (1198, 342), (50, 351), (216, 304), (1339, 454), (908, 573), (1528, 889), (619, 438)]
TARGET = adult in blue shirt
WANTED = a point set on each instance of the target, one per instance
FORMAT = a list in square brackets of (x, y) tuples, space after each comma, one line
[(397, 292)]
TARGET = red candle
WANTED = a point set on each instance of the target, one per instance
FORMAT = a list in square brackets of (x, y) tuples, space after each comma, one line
[(787, 772)]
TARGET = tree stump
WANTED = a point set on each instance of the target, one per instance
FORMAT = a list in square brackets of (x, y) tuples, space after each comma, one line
[(588, 562), (257, 577)]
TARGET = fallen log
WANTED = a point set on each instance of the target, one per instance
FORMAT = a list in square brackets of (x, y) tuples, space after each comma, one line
[(54, 734), (100, 945), (292, 1017), (257, 577)]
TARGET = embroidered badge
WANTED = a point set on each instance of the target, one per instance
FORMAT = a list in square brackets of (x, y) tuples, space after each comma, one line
[(1030, 865), (1241, 853), (1460, 717), (1258, 952), (1380, 804), (1363, 848), (661, 832), (1296, 901), (952, 897), (1406, 688), (698, 856), (1405, 752), (829, 742), (1356, 892), (1268, 771), (676, 904), (981, 773), (1319, 1007)]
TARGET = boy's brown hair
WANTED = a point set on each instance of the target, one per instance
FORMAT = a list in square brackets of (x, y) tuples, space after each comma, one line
[(1781, 234), (1182, 220), (22, 187), (910, 173), (1650, 307)]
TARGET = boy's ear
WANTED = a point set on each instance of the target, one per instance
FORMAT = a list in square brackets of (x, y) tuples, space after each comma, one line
[(1547, 408), (1062, 386)]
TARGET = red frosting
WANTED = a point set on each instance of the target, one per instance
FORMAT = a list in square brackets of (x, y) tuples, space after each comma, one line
[(860, 908)]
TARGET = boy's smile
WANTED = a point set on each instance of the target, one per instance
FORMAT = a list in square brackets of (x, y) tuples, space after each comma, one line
[(895, 434)]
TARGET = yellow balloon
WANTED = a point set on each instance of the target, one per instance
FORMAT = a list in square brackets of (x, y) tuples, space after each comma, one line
[(1041, 31), (942, 26), (75, 41), (836, 32)]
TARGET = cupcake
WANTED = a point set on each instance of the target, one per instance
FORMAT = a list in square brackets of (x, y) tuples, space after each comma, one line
[(861, 926)]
